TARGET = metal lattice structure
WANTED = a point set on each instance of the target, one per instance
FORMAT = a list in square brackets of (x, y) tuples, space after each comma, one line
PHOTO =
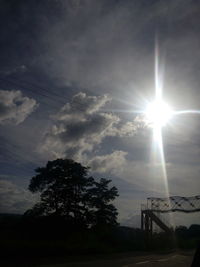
[(150, 211), (175, 203)]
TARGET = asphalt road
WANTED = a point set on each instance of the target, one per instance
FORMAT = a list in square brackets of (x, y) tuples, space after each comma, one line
[(175, 259), (180, 259)]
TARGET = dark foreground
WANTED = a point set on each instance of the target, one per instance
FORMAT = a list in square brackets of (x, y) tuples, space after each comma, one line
[(175, 259)]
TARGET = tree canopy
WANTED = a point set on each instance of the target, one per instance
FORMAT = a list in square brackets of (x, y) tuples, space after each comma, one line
[(66, 190)]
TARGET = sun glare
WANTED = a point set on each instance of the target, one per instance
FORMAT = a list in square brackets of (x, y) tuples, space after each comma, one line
[(158, 113)]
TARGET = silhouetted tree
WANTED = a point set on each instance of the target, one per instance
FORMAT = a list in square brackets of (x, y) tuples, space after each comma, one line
[(100, 196), (67, 191)]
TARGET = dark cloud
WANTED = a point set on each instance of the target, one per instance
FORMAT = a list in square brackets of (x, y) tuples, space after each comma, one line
[(14, 199), (14, 107), (80, 106), (81, 125)]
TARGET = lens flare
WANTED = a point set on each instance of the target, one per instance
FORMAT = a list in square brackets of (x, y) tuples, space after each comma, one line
[(158, 113)]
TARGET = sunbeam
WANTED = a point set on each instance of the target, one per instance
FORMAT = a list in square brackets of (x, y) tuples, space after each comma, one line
[(187, 111), (158, 113)]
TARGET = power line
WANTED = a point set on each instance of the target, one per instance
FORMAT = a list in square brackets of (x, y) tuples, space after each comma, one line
[(30, 90)]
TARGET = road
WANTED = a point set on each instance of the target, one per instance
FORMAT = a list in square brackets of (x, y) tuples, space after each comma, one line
[(179, 259), (175, 259)]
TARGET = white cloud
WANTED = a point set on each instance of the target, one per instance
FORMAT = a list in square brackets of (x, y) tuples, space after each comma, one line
[(108, 163), (14, 107)]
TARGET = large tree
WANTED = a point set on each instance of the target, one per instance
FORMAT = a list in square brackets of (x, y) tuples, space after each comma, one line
[(67, 191), (104, 213)]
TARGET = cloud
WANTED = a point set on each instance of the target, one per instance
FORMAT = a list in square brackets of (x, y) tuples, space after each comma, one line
[(108, 163), (15, 70), (81, 125), (99, 53), (14, 199), (14, 107), (80, 106), (130, 128), (97, 43)]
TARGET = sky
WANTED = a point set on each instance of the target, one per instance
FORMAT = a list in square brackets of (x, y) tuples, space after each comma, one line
[(72, 75)]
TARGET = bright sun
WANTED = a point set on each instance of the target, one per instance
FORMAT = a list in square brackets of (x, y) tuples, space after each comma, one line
[(158, 113)]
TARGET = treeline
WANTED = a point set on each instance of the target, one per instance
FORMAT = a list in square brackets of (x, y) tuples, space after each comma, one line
[(46, 236), (22, 236)]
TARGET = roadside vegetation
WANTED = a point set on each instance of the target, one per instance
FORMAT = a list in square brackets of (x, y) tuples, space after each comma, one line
[(76, 216)]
